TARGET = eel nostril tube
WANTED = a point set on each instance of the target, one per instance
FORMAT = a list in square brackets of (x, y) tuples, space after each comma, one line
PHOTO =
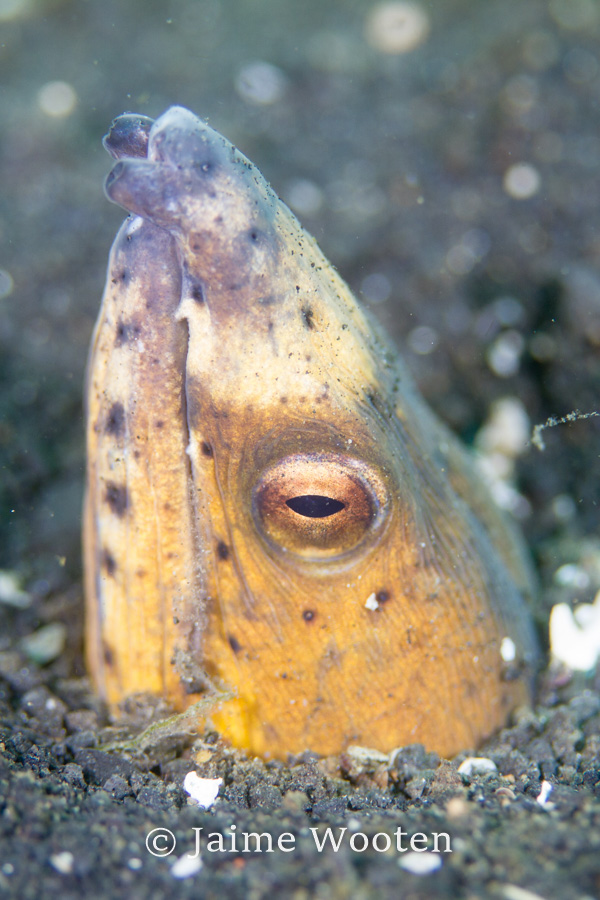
[(128, 136)]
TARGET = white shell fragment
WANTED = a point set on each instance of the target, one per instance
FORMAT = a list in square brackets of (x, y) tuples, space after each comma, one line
[(57, 99), (514, 892), (371, 603), (10, 591), (62, 862), (575, 635), (420, 863), (367, 755), (45, 644), (522, 181), (186, 865), (261, 83), (477, 765), (573, 576), (508, 651), (397, 27), (203, 790), (500, 441), (542, 797)]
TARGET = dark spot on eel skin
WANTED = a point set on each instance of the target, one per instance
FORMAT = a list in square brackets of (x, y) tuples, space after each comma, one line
[(375, 400), (197, 293), (122, 277), (207, 450), (222, 550), (234, 644), (108, 562), (121, 334), (308, 615), (108, 654), (116, 497), (159, 424), (115, 420), (307, 317), (382, 596), (125, 332)]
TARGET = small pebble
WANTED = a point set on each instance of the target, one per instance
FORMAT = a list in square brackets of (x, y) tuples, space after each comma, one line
[(508, 651), (542, 797), (457, 807), (203, 791), (423, 863), (57, 99), (186, 866), (396, 28), (62, 862), (514, 892), (477, 765), (371, 603), (504, 355), (522, 181), (117, 787), (10, 589), (423, 340), (376, 287), (45, 644), (575, 635), (304, 196), (366, 755), (507, 429), (261, 83), (571, 575)]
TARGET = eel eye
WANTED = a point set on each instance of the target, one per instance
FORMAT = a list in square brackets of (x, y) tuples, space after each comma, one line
[(318, 506)]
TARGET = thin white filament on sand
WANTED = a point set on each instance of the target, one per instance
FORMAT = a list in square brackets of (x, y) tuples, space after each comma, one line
[(536, 436)]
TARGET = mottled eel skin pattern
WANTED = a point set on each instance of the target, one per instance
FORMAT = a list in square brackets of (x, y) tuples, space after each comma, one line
[(274, 519)]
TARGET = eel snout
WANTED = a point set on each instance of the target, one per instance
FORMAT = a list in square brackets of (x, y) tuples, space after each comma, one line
[(182, 175)]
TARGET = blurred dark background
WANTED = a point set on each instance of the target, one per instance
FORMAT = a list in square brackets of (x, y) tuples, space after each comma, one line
[(445, 155)]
